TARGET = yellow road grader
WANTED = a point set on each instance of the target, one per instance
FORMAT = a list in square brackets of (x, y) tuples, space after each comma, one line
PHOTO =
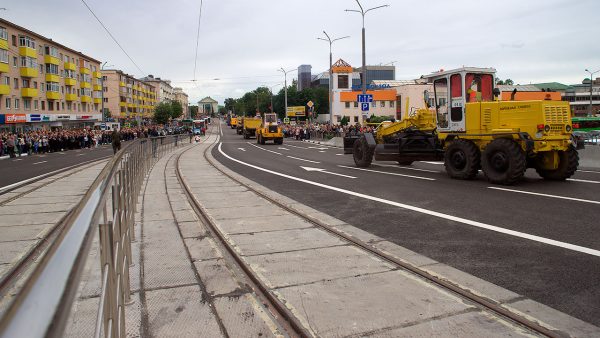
[(469, 130)]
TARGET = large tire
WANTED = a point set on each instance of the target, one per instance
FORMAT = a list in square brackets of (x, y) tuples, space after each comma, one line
[(363, 156), (405, 162), (262, 140), (504, 162), (258, 139), (462, 160), (279, 141), (567, 165)]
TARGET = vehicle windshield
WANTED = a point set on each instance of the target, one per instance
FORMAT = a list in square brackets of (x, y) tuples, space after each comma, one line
[(441, 102)]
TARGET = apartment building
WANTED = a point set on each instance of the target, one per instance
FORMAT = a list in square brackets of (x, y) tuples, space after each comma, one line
[(44, 84), (127, 98), (164, 91), (182, 97)]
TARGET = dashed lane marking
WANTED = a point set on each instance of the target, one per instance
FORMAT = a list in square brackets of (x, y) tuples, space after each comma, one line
[(546, 195), (404, 167), (430, 162), (261, 148), (388, 173), (582, 181), (40, 162), (282, 148), (289, 145), (303, 159), (476, 224)]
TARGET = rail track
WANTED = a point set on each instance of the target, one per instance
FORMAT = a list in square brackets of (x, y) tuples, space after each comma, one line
[(285, 316)]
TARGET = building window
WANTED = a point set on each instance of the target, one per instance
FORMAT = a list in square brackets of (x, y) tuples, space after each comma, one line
[(3, 33), (62, 105), (373, 104), (17, 101), (43, 87), (355, 119), (27, 104), (382, 104), (52, 51), (347, 105), (14, 40), (6, 81), (15, 62), (41, 69), (355, 104), (52, 87), (16, 83), (35, 104), (392, 104), (25, 41), (25, 83), (343, 81), (7, 103), (51, 69), (43, 105), (28, 62), (3, 56)]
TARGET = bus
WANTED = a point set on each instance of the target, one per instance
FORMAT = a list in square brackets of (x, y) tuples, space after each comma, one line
[(586, 124), (197, 126)]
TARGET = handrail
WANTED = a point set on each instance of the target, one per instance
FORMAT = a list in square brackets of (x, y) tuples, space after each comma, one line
[(42, 307)]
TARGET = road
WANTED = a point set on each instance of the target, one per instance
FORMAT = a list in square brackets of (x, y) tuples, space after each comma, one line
[(13, 170), (537, 238)]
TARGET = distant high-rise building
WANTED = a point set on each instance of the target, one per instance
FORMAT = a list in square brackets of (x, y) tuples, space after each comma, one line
[(304, 77), (377, 73)]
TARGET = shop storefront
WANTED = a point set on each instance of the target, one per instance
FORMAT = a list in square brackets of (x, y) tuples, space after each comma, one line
[(27, 122)]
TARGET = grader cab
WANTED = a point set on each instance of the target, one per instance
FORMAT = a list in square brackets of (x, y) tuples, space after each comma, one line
[(472, 130)]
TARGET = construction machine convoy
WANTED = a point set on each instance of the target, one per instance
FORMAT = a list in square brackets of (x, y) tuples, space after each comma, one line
[(269, 130), (469, 129)]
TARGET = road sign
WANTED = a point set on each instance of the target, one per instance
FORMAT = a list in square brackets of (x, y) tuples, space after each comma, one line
[(365, 98), (286, 120), (364, 106), (310, 104)]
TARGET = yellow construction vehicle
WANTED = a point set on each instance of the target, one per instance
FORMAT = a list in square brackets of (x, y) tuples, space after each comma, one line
[(469, 129), (269, 130), (233, 122), (250, 126)]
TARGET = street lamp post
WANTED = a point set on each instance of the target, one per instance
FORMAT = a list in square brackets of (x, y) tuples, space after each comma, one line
[(364, 62), (331, 72), (285, 85), (591, 88), (102, 92)]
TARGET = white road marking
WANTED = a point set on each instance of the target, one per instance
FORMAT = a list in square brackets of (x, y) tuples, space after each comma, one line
[(282, 148), (404, 167), (289, 145), (302, 159), (430, 162), (546, 195), (322, 151), (514, 233), (261, 148), (325, 171), (388, 173), (18, 159), (588, 171), (40, 162), (242, 149), (339, 154), (582, 181), (80, 154), (318, 148)]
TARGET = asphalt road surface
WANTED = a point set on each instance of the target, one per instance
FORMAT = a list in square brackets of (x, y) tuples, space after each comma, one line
[(538, 238), (13, 170)]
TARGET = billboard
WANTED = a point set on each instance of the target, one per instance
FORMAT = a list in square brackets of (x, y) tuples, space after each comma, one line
[(296, 111)]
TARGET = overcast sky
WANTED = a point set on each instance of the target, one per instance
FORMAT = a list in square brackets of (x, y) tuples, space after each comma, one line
[(242, 43)]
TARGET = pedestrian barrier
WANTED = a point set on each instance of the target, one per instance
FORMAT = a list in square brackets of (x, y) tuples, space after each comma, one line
[(42, 307)]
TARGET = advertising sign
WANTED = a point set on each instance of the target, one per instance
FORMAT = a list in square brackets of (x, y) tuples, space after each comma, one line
[(15, 118), (296, 111)]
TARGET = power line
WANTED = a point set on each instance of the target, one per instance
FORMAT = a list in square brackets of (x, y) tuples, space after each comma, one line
[(197, 39), (114, 39)]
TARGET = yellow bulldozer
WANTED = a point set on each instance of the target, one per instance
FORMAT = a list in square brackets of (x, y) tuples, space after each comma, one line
[(469, 129), (269, 130)]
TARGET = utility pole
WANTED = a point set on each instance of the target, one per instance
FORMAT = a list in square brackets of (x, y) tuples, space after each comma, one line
[(364, 61), (285, 85), (591, 112), (331, 72)]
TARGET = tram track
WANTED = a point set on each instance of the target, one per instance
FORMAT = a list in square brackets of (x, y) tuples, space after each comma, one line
[(467, 295)]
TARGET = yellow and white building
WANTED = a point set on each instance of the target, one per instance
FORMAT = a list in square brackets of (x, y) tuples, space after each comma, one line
[(45, 84), (127, 98)]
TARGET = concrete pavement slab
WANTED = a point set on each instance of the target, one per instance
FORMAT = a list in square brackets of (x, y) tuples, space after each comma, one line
[(12, 251), (351, 306), (246, 212), (308, 266), (31, 218), (202, 249), (217, 278), (252, 225), (403, 254), (357, 233), (32, 200), (23, 232), (180, 312), (242, 316), (192, 230), (208, 190), (21, 209), (281, 241), (185, 216)]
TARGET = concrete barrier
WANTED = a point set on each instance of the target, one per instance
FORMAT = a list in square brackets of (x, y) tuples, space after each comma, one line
[(590, 157)]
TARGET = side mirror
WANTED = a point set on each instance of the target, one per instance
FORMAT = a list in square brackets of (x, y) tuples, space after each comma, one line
[(496, 92)]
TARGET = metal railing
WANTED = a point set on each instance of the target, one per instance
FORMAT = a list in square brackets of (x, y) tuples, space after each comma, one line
[(42, 307)]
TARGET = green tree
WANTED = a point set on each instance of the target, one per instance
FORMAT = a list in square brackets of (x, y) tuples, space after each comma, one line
[(162, 113), (193, 111), (176, 109), (344, 121)]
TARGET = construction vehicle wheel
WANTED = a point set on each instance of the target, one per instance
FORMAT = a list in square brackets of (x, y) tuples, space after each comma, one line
[(405, 162), (462, 160), (363, 156), (503, 161), (567, 165), (278, 141), (258, 139), (262, 140)]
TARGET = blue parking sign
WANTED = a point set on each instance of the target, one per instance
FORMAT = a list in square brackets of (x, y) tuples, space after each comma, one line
[(364, 106)]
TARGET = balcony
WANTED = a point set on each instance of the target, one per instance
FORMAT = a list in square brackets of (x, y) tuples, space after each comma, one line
[(122, 104), (29, 92), (97, 100), (86, 98), (51, 59), (4, 89), (52, 77), (70, 97), (26, 51), (70, 82), (29, 72), (3, 44), (83, 70), (52, 95), (86, 85), (4, 67), (97, 87), (97, 75), (70, 66)]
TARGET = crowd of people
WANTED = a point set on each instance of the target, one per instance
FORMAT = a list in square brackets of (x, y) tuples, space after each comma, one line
[(48, 141), (323, 131)]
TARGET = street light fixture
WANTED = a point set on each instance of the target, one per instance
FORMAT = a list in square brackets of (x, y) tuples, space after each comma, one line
[(364, 62), (330, 72), (285, 84), (591, 87)]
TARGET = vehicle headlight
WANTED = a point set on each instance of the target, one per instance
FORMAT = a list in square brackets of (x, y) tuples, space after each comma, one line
[(568, 128)]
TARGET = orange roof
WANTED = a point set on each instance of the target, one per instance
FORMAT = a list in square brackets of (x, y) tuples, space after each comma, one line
[(378, 95), (528, 96)]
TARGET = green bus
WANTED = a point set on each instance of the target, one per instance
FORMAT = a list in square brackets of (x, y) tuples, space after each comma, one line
[(585, 124)]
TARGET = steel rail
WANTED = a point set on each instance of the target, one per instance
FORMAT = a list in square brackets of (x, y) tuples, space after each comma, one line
[(482, 302), (279, 310)]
